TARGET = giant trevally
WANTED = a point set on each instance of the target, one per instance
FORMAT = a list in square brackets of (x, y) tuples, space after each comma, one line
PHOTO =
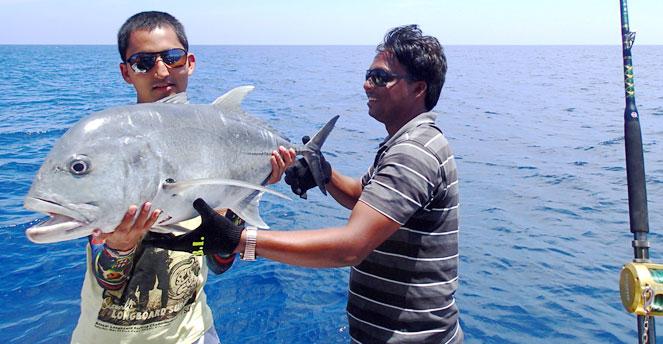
[(166, 153)]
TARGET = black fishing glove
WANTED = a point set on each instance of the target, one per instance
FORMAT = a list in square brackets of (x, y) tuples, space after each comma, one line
[(299, 175), (216, 234)]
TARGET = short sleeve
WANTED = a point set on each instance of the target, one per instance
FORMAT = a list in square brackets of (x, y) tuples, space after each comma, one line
[(402, 182)]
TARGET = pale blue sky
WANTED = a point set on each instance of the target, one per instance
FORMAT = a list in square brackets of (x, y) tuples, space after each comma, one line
[(337, 21)]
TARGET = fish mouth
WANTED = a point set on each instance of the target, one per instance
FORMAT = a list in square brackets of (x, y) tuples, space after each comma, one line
[(63, 224)]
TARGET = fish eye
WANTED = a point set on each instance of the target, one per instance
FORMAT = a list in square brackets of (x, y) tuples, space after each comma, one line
[(79, 165)]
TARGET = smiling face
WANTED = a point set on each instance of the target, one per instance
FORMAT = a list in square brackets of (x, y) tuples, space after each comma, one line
[(395, 103), (160, 81)]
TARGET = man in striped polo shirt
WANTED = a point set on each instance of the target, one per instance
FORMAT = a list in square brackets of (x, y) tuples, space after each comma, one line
[(402, 236)]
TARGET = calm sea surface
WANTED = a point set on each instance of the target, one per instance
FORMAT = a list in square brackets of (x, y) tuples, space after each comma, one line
[(538, 137)]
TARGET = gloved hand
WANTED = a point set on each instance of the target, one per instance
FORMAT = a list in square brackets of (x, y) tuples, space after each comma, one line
[(216, 234), (299, 175)]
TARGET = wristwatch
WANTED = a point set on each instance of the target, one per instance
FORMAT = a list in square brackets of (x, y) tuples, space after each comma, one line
[(250, 245)]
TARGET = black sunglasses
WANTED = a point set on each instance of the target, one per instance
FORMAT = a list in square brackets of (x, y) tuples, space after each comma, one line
[(142, 62), (380, 77)]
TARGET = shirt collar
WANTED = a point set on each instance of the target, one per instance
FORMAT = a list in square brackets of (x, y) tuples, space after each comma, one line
[(425, 117)]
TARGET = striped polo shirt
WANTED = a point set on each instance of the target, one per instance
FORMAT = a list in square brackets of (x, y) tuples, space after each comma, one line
[(403, 292)]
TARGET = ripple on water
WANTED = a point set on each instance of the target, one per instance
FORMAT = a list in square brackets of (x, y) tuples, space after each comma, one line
[(544, 219)]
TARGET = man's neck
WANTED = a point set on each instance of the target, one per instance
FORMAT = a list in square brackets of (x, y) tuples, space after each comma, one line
[(396, 125)]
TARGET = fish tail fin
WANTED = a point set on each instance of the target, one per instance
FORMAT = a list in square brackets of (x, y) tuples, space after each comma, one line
[(312, 154)]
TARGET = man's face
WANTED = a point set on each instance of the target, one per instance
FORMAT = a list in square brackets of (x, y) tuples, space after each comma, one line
[(388, 103), (159, 81)]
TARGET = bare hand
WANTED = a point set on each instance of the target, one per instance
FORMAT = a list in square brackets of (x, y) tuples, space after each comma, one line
[(129, 232), (280, 161)]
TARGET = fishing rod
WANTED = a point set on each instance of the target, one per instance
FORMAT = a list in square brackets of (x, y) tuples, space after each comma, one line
[(640, 282)]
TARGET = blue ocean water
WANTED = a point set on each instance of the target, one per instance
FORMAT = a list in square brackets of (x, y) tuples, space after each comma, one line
[(538, 136)]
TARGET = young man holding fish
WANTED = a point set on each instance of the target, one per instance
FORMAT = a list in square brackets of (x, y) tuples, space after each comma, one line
[(141, 294), (402, 236)]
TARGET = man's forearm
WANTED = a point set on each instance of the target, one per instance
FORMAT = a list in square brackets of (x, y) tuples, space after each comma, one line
[(329, 247), (324, 248), (345, 190)]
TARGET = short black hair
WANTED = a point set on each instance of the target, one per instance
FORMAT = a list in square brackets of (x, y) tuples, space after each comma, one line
[(422, 56), (148, 20)]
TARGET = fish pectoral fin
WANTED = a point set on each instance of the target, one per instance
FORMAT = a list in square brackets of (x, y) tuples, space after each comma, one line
[(183, 185), (248, 211)]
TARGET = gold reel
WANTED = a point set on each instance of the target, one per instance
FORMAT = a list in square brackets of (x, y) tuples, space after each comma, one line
[(641, 288)]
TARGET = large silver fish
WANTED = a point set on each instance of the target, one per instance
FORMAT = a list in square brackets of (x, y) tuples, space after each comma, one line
[(166, 153)]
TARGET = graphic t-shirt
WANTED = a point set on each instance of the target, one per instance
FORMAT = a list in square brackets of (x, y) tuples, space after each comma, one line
[(162, 302)]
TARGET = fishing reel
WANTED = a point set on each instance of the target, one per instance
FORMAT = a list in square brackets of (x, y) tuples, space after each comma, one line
[(641, 288)]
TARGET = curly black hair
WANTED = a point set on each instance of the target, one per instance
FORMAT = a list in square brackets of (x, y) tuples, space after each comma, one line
[(422, 56)]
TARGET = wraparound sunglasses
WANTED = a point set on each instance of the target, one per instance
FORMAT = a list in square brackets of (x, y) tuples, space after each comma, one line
[(380, 77), (143, 62)]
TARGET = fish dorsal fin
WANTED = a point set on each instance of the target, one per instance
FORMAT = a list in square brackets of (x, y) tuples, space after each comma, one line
[(230, 104), (233, 98), (177, 98)]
